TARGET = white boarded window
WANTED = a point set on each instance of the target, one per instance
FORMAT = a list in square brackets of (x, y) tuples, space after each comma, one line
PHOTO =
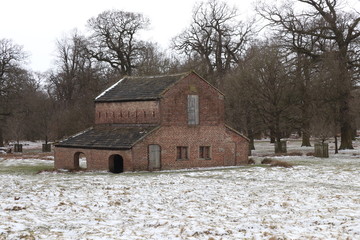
[(193, 109)]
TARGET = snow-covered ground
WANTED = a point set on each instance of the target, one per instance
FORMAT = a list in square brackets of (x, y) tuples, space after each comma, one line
[(316, 199)]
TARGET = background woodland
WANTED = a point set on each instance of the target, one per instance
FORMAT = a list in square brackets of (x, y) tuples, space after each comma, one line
[(284, 72)]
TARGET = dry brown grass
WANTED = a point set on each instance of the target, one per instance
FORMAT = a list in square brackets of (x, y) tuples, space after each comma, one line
[(276, 163), (294, 154), (283, 154), (39, 155)]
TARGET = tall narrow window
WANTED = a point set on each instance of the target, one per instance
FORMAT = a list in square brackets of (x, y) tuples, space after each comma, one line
[(182, 153), (193, 109), (204, 152)]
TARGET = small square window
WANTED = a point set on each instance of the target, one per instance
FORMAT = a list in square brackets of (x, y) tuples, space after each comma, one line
[(204, 152), (182, 153)]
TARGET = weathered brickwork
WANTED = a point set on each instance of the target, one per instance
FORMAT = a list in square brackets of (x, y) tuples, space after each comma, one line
[(65, 158), (226, 148), (170, 112), (174, 103), (127, 112)]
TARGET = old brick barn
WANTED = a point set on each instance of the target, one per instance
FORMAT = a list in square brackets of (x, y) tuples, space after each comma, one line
[(156, 123)]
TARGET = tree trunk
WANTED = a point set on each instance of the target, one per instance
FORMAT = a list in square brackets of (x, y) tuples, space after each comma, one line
[(250, 129), (252, 145), (272, 135), (305, 132), (346, 136), (306, 100), (277, 129), (306, 139), (1, 137), (336, 145), (344, 111)]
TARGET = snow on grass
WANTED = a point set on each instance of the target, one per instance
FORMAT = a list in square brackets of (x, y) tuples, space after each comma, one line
[(316, 199)]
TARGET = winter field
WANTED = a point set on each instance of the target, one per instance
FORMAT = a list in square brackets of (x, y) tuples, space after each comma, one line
[(316, 199)]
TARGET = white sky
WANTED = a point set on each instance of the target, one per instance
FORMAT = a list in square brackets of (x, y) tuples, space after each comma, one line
[(37, 24)]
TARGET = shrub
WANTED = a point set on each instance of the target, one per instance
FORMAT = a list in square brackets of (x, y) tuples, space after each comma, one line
[(294, 154), (251, 161), (276, 163), (267, 161)]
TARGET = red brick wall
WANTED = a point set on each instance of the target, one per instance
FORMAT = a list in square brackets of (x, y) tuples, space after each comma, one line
[(95, 159), (173, 105), (127, 112), (227, 148), (242, 146)]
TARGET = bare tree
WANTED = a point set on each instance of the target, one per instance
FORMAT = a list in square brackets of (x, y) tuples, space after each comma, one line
[(73, 84), (11, 57), (240, 111), (114, 39), (333, 30), (154, 61), (304, 94), (23, 121), (268, 88), (216, 36), (75, 72)]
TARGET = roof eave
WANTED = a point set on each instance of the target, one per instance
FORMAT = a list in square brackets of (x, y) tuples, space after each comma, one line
[(145, 135), (129, 100), (235, 131), (94, 147)]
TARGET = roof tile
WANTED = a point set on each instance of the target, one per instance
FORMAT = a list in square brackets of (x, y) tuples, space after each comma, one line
[(139, 88), (108, 137)]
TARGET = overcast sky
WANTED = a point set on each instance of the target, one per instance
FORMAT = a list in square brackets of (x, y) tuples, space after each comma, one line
[(37, 24)]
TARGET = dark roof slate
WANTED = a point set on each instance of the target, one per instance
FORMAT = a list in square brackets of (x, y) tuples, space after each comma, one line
[(139, 88), (107, 137)]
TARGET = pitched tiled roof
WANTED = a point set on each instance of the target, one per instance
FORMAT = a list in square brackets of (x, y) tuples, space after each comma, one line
[(107, 137), (139, 88)]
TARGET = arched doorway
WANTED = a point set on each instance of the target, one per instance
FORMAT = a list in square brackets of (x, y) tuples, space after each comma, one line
[(116, 163), (80, 161)]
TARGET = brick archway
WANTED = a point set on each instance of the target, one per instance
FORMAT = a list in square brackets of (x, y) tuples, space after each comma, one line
[(116, 163), (80, 161)]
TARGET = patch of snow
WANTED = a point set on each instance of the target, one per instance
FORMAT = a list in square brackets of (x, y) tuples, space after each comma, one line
[(77, 134), (29, 144), (316, 199), (114, 85)]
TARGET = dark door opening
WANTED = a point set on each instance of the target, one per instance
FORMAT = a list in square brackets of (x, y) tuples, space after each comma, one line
[(116, 164)]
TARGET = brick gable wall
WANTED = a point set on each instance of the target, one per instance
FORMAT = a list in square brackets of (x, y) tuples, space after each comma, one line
[(226, 147), (173, 105)]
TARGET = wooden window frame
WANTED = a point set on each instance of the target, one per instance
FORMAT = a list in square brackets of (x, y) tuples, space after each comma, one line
[(205, 152), (182, 153)]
